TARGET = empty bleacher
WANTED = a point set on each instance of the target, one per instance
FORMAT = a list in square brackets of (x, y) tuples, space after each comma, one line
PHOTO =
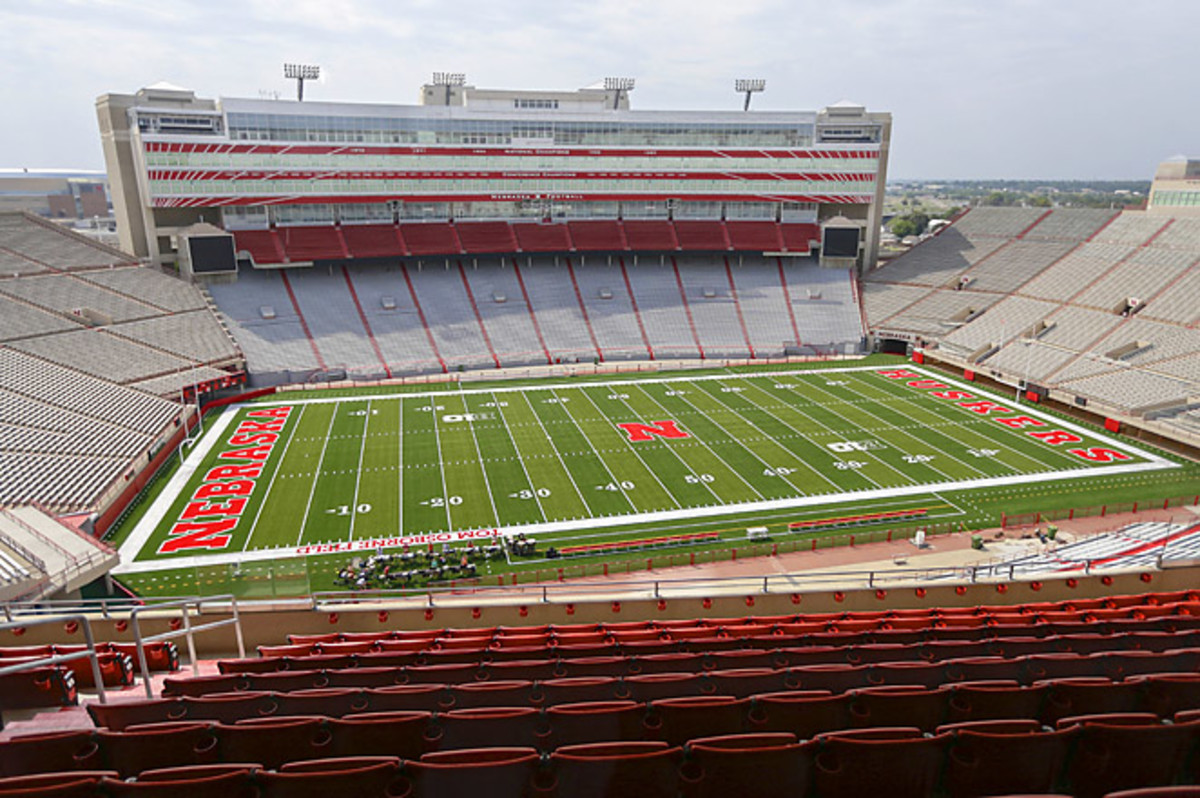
[(377, 319), (1111, 316), (65, 435), (29, 244)]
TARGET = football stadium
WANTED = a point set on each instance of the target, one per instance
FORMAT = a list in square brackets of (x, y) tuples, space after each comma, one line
[(529, 443)]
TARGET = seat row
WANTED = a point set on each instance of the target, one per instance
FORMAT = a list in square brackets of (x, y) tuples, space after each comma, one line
[(1089, 757), (1162, 692), (465, 650), (761, 652), (1081, 610)]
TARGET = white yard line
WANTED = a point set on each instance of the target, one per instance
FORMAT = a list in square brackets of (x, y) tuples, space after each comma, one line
[(686, 513), (362, 450), (437, 441), (400, 468), (799, 434), (725, 405), (557, 453), (629, 446), (613, 477), (487, 484), (521, 460), (677, 456), (835, 455), (274, 475), (904, 432), (174, 488), (312, 491)]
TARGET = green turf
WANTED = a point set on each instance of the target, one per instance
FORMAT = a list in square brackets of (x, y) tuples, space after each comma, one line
[(481, 457)]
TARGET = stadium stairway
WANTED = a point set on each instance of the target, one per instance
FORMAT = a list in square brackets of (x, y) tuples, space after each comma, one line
[(1087, 698)]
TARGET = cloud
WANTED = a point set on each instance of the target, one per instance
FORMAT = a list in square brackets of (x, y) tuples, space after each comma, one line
[(1006, 88)]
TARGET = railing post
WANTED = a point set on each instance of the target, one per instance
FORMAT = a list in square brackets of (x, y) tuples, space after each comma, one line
[(191, 639), (766, 587), (96, 674), (237, 629), (545, 595)]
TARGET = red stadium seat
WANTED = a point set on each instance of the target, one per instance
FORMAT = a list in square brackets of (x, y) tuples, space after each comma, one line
[(403, 734), (594, 722), (769, 765), (997, 762), (613, 770), (854, 766), (498, 771)]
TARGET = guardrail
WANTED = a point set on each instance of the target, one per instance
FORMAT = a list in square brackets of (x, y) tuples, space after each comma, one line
[(551, 592), (187, 630), (90, 653)]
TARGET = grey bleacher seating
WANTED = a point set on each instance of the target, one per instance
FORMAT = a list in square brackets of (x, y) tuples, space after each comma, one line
[(938, 260), (195, 335), (333, 320), (884, 300), (714, 313), (1078, 269), (661, 307), (504, 313), (1143, 274), (66, 435), (451, 318), (1065, 318), (610, 309), (394, 320), (1131, 228), (19, 319), (1015, 264), (65, 293), (38, 244), (552, 296), (765, 307), (573, 310), (997, 222), (148, 285), (1076, 224), (272, 346), (102, 354)]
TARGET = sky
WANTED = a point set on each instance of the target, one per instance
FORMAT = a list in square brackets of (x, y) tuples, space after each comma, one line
[(1017, 89)]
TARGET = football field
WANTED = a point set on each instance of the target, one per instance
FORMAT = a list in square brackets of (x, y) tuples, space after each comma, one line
[(570, 461)]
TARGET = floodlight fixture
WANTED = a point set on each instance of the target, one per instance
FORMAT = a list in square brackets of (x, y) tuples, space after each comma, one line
[(301, 73), (749, 87), (619, 85)]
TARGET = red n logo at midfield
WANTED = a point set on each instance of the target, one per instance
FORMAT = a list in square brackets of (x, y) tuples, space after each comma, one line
[(659, 429)]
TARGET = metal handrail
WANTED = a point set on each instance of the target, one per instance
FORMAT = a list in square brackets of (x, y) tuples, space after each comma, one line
[(83, 621), (187, 631), (571, 589)]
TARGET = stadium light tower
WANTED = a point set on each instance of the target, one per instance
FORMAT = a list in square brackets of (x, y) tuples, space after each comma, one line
[(749, 87), (619, 85), (301, 73), (449, 79)]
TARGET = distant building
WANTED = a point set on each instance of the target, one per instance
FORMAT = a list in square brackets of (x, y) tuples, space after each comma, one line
[(473, 155), (54, 193), (1176, 187)]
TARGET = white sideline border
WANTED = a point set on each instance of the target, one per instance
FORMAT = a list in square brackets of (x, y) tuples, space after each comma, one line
[(154, 516)]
